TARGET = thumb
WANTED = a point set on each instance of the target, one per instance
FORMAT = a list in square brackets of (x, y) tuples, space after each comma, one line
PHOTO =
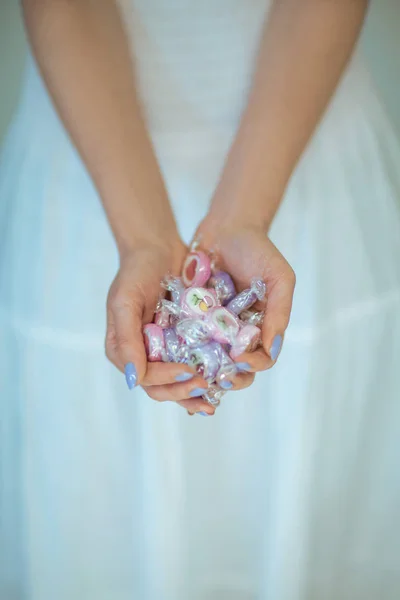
[(129, 344), (280, 291)]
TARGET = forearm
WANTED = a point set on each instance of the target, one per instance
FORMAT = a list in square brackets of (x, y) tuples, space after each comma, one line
[(305, 48), (83, 54)]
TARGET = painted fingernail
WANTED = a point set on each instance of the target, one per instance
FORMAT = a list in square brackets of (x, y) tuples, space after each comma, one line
[(243, 366), (276, 347), (226, 384), (197, 392), (203, 414), (184, 377), (130, 375)]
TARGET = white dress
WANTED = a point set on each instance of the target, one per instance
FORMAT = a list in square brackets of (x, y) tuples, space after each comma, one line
[(292, 491)]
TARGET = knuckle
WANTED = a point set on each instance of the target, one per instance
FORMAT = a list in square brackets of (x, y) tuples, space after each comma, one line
[(120, 301), (155, 394), (291, 276), (150, 392), (108, 352), (123, 341)]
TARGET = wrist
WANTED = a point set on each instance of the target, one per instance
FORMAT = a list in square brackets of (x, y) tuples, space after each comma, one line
[(167, 246), (249, 210), (247, 199)]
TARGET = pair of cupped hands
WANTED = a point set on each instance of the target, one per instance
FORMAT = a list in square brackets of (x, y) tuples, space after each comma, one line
[(245, 252)]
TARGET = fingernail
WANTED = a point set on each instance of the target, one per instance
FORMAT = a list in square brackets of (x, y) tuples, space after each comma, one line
[(197, 392), (203, 414), (184, 377), (276, 347), (130, 375), (243, 366), (226, 384)]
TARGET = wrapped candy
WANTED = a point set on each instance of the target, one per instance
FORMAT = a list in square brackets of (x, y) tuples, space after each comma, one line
[(196, 269), (175, 287), (252, 317), (193, 331), (174, 310), (162, 317), (247, 340), (154, 342), (248, 297), (223, 285), (197, 301), (213, 395), (223, 324), (206, 359), (172, 345)]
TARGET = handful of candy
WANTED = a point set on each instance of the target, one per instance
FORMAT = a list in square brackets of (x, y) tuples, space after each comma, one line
[(204, 323)]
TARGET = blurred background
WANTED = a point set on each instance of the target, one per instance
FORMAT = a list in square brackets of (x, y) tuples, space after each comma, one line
[(378, 42)]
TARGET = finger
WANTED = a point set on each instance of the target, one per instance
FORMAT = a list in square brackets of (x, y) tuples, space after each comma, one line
[(197, 406), (158, 373), (124, 341), (241, 381), (279, 306), (237, 381), (169, 373), (252, 362), (177, 391)]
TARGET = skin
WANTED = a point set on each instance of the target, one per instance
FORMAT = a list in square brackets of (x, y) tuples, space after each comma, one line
[(83, 54)]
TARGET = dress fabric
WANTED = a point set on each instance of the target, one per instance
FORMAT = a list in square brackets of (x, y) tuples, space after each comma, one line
[(292, 491)]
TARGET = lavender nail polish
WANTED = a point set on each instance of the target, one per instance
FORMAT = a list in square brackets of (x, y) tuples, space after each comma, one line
[(197, 392), (226, 384), (184, 377), (243, 366), (203, 414), (276, 347), (130, 375)]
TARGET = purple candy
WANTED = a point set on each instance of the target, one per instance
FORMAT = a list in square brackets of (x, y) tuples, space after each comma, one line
[(193, 331), (223, 285), (175, 286), (207, 359), (248, 297), (172, 344)]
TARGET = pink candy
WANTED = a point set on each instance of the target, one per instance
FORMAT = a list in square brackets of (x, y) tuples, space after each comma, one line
[(247, 340), (198, 301), (196, 269), (224, 325), (154, 342)]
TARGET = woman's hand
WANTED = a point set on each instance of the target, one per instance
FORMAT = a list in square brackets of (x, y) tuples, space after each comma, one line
[(246, 252), (131, 304)]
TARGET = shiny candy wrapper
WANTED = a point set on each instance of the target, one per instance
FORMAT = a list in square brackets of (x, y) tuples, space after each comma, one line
[(244, 300), (196, 269), (223, 324), (213, 395), (172, 345), (154, 342), (247, 340), (206, 359), (162, 317), (198, 301), (194, 331), (223, 285), (174, 285), (252, 317)]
